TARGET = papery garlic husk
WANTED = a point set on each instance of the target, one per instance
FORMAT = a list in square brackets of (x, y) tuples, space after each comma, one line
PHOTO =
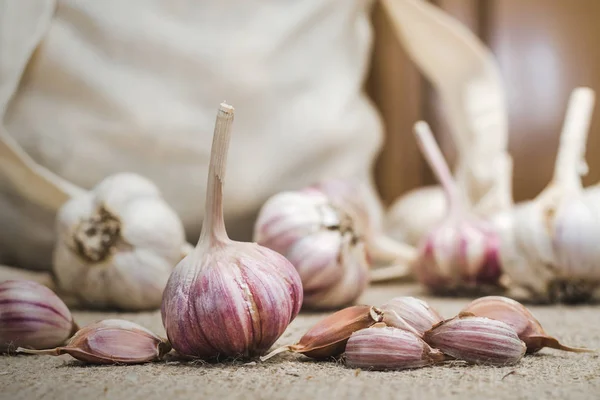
[(410, 313), (462, 252), (518, 317), (321, 241), (329, 336), (32, 316), (226, 298), (117, 244), (477, 340), (111, 341), (549, 245), (387, 348)]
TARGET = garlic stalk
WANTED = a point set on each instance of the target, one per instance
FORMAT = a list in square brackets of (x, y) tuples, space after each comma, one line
[(226, 298), (461, 252), (111, 341), (32, 316), (117, 244), (548, 245)]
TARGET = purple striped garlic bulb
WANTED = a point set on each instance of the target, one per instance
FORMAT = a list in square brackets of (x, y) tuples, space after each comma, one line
[(321, 240), (226, 298), (32, 316), (462, 252)]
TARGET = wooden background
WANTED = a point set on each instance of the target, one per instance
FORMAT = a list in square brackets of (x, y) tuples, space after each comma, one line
[(545, 48)]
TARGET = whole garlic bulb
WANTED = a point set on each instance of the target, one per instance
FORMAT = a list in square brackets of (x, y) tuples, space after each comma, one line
[(549, 245), (462, 252), (117, 244), (320, 239), (227, 298)]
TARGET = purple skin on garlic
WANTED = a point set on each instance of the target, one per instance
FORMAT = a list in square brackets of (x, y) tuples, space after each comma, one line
[(202, 309), (33, 316)]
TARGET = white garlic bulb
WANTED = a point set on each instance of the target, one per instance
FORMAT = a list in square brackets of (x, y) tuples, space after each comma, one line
[(320, 240), (549, 245), (117, 244)]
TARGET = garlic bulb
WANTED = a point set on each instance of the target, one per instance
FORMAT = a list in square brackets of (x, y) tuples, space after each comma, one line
[(415, 214), (111, 341), (117, 244), (461, 252), (226, 298), (321, 241), (549, 245), (32, 316)]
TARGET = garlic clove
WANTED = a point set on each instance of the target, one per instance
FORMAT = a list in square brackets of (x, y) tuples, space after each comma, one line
[(329, 336), (111, 341), (518, 317), (477, 340), (117, 244), (226, 298), (32, 316), (388, 348), (410, 313)]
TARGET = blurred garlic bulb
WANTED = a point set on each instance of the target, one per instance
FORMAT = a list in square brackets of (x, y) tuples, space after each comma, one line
[(461, 252), (415, 214), (549, 245), (117, 244), (321, 241)]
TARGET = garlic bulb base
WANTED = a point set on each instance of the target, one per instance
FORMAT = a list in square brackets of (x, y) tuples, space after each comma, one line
[(94, 237), (571, 291)]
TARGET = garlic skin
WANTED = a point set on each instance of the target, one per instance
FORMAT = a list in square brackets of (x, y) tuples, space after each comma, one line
[(477, 340), (518, 317), (226, 298), (548, 245), (411, 314), (111, 341), (387, 348), (462, 252), (117, 244), (329, 336), (32, 316), (321, 241)]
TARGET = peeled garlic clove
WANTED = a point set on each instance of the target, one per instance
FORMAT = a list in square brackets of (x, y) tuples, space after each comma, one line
[(321, 241), (410, 313), (462, 252), (518, 317), (118, 244), (112, 341), (387, 348), (32, 316), (477, 340), (226, 298), (329, 336)]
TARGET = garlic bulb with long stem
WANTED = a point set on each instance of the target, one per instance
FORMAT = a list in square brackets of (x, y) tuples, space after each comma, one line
[(117, 244), (226, 298), (548, 245), (461, 252)]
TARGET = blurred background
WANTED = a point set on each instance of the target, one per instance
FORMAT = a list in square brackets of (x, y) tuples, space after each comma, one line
[(544, 48)]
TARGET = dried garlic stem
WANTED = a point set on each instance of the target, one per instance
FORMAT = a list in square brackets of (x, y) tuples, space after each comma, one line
[(570, 162)]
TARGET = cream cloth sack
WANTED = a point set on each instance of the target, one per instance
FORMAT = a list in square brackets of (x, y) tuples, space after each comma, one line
[(90, 88)]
